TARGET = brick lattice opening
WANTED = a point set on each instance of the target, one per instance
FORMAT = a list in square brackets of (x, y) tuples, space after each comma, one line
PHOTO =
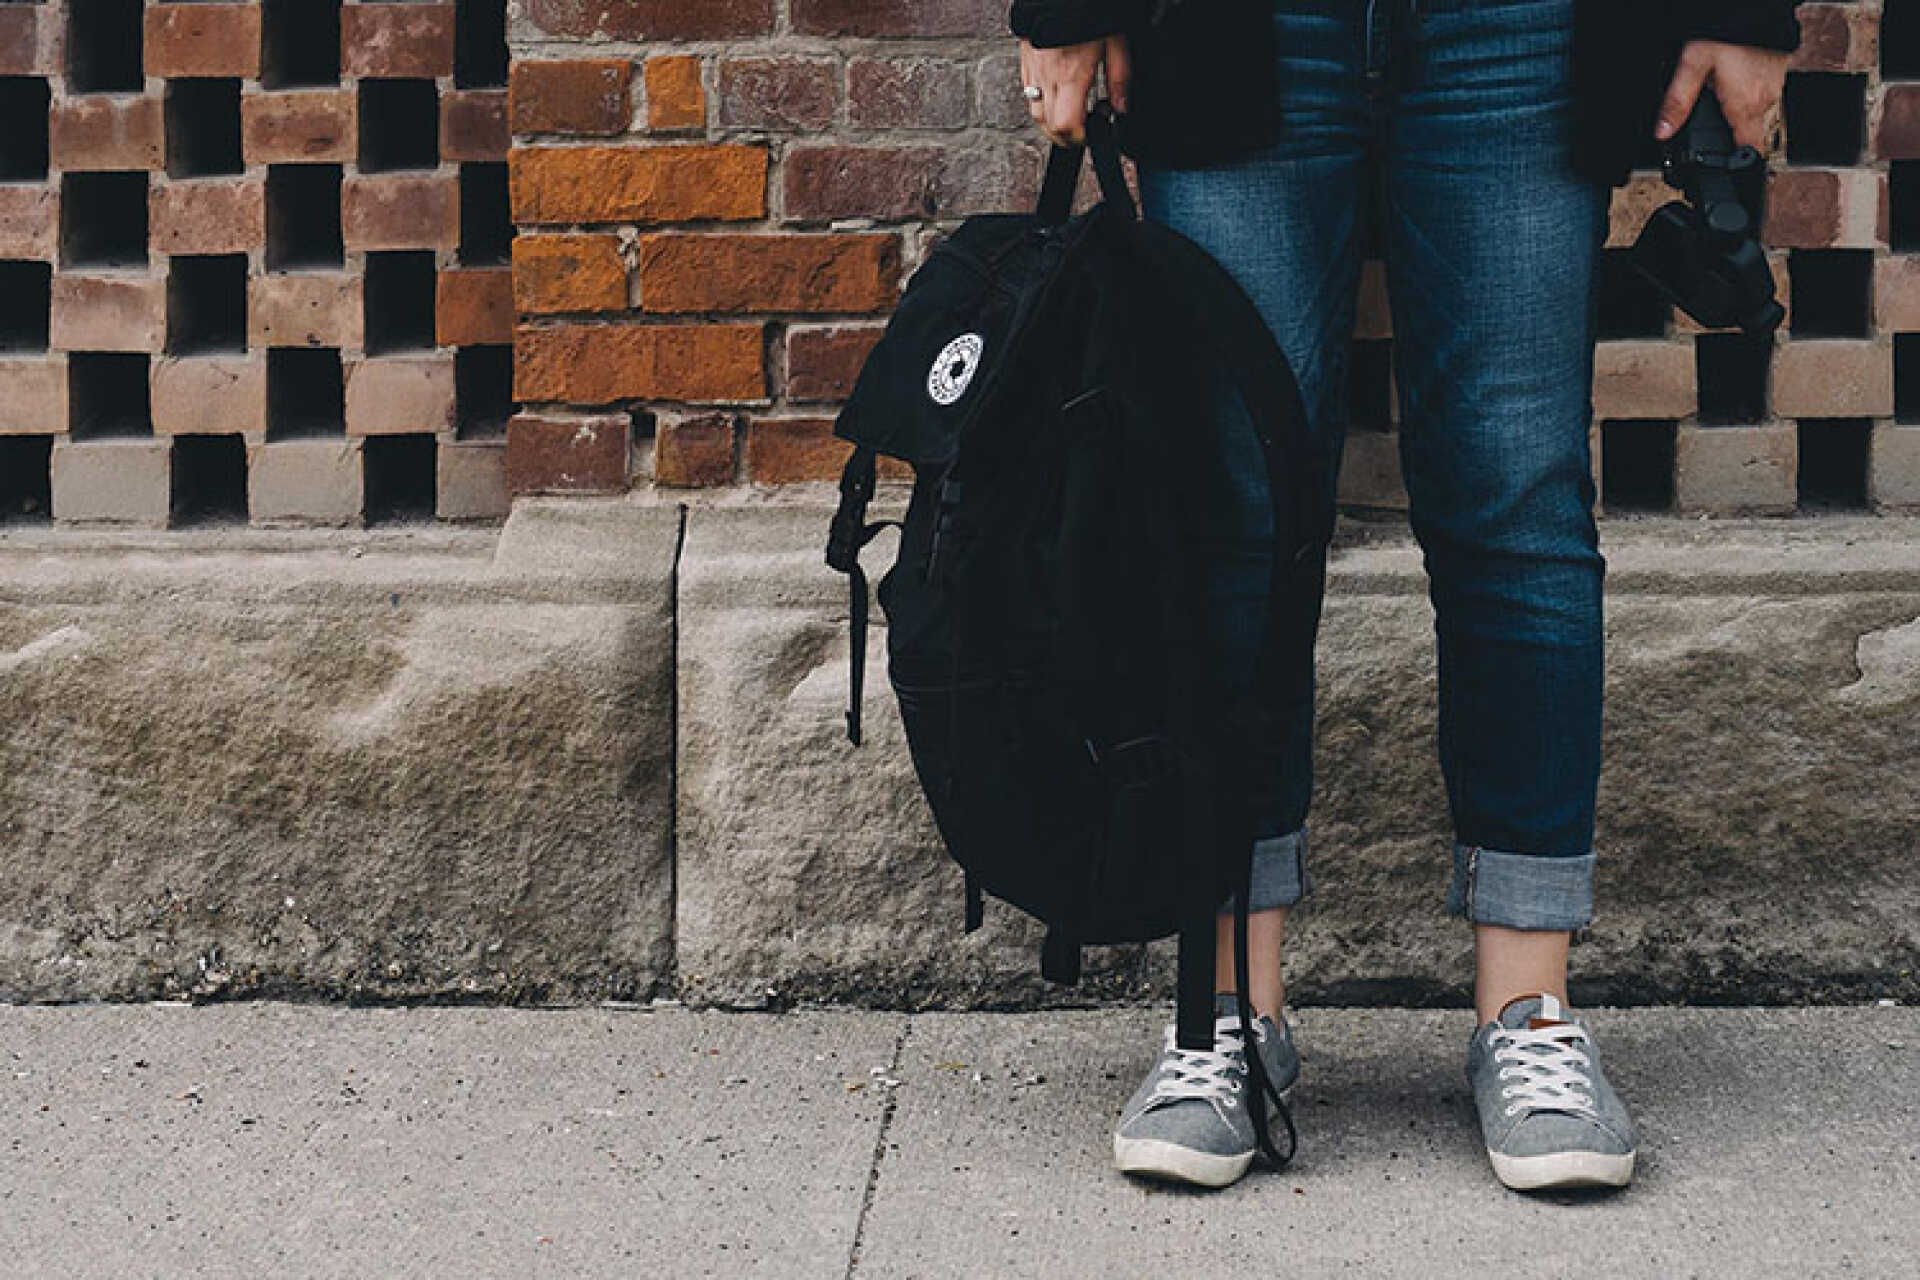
[(1906, 377), (107, 395), (209, 479), (23, 140), (1831, 292), (483, 390), (399, 302), (1731, 376), (203, 128), (1826, 117), (103, 220), (303, 216), (207, 304), (1833, 463), (26, 479), (1637, 465), (1900, 40), (25, 301), (402, 478), (1370, 384), (306, 393), (1629, 306), (1903, 204), (486, 220), (104, 40), (300, 43), (480, 49), (399, 125)]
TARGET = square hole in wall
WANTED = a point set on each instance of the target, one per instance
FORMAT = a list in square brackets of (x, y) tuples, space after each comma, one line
[(26, 301), (1730, 372), (303, 217), (26, 479), (104, 39), (1833, 463), (107, 395), (402, 478), (23, 142), (299, 43), (399, 125), (486, 220), (1831, 292), (480, 44), (207, 304), (103, 219), (1825, 114), (209, 479), (1900, 39), (399, 302), (1636, 464), (1370, 384), (1630, 307), (306, 393), (1903, 204), (483, 390), (203, 128), (1906, 377)]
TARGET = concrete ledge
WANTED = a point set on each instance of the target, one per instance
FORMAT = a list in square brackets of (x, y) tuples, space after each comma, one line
[(441, 764)]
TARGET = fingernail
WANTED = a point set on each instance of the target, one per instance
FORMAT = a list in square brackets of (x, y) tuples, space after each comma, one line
[(1662, 129)]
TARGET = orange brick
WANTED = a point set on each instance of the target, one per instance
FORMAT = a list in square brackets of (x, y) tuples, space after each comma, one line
[(302, 126), (473, 125), (572, 453), (203, 40), (400, 211), (823, 362), (793, 450), (676, 99), (474, 307), (208, 215), (638, 184), (694, 453), (600, 363), (569, 273), (818, 273), (96, 131), (591, 96)]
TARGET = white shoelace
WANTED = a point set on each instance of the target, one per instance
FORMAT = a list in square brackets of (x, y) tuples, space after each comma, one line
[(1545, 1069), (1212, 1075)]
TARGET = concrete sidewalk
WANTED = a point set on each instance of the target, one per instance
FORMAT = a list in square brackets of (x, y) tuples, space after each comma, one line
[(285, 1140)]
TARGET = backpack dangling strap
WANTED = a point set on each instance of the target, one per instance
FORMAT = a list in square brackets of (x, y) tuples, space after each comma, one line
[(1263, 1090), (1060, 957), (849, 534), (976, 904)]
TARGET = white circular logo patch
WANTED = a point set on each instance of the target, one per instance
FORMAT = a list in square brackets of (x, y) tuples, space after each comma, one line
[(954, 367)]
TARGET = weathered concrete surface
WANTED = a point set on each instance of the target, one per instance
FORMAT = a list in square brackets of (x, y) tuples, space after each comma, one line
[(293, 1141), (1759, 812), (280, 1140), (364, 765)]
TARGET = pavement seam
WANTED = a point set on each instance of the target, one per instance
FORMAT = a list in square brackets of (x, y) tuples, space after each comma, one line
[(879, 1147)]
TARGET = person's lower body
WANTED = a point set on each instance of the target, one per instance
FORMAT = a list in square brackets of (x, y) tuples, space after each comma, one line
[(1448, 123)]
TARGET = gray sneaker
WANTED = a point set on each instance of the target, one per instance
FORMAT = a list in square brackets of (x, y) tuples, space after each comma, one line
[(1549, 1116), (1188, 1120)]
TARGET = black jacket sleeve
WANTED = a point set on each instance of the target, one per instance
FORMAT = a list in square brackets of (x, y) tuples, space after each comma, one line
[(1765, 24), (1048, 24)]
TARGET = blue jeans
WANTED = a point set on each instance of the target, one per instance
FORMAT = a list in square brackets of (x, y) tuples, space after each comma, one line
[(1462, 111)]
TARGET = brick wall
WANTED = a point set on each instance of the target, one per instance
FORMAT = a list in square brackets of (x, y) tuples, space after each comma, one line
[(254, 262)]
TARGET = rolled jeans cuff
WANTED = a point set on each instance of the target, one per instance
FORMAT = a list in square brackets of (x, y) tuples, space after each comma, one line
[(1521, 890), (1279, 873)]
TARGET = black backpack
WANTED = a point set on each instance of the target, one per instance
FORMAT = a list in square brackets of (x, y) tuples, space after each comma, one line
[(1054, 382)]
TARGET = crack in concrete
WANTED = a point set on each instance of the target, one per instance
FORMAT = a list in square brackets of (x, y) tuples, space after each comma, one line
[(879, 1148)]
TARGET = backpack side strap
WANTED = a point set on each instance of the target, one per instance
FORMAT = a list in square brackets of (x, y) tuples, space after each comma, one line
[(847, 537)]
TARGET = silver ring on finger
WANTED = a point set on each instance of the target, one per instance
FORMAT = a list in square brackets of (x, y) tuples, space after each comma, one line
[(1032, 93)]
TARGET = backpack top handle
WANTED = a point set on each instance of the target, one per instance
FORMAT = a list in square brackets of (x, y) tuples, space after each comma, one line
[(1063, 170)]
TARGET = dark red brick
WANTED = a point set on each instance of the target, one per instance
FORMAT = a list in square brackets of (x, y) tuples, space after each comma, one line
[(650, 19), (778, 93), (921, 18)]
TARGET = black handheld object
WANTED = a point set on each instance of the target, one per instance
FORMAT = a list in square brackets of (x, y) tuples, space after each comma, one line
[(1704, 252)]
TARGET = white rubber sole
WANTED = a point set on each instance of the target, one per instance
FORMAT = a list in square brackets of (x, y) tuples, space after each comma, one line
[(1152, 1158), (1563, 1169)]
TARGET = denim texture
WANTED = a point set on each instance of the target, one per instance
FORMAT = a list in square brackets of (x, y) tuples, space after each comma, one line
[(1452, 119)]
